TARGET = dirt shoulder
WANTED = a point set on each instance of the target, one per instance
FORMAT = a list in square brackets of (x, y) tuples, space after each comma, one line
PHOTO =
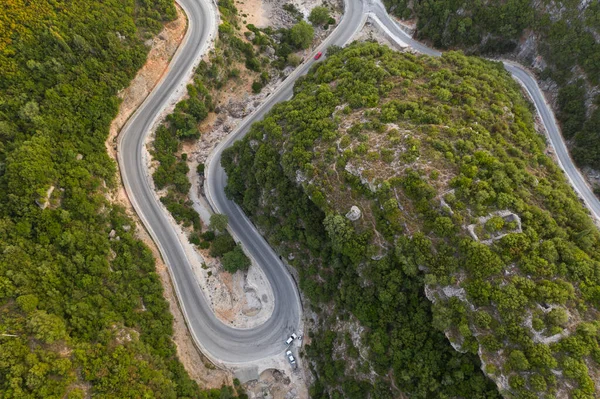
[(253, 12), (163, 47)]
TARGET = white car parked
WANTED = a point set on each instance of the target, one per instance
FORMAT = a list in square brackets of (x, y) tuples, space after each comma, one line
[(291, 339), (291, 358)]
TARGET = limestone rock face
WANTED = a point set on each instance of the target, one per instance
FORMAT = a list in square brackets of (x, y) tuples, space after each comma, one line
[(269, 51), (43, 203), (236, 109), (354, 213)]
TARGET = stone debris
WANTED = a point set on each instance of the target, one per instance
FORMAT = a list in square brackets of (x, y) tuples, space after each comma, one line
[(277, 16), (508, 217), (46, 202), (300, 178), (269, 51), (236, 109), (358, 172), (354, 213), (450, 292), (272, 383)]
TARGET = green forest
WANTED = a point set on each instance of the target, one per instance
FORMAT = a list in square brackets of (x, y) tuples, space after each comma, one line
[(470, 262), (81, 307), (566, 32)]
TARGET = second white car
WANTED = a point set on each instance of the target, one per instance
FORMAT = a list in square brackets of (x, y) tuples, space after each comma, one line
[(291, 339)]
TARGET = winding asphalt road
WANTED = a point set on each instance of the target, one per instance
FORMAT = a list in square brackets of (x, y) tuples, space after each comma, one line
[(220, 342)]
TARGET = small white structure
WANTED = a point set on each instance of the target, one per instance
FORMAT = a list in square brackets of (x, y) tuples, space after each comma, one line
[(354, 213)]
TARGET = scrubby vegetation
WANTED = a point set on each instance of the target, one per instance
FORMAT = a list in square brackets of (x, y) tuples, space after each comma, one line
[(232, 54), (286, 42), (183, 124), (424, 148), (319, 16), (567, 36), (81, 308), (172, 169)]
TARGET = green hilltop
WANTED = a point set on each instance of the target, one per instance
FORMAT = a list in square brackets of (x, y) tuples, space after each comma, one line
[(435, 240)]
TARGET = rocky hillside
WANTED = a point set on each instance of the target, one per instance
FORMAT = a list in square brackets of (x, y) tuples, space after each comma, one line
[(560, 40), (436, 242)]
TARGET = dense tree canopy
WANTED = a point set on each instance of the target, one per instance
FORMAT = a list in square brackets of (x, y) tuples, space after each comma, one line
[(566, 33), (81, 307)]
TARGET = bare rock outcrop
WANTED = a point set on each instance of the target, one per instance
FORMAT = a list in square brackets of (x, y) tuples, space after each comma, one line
[(354, 213), (236, 109)]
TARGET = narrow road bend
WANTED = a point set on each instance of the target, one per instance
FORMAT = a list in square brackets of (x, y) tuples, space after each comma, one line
[(219, 341)]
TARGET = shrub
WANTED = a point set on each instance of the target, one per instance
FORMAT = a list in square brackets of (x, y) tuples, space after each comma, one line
[(222, 244), (218, 222), (294, 59), (319, 15), (257, 86), (494, 224), (208, 235), (301, 35), (235, 260)]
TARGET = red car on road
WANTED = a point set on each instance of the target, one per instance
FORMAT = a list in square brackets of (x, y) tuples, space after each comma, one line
[(318, 55)]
